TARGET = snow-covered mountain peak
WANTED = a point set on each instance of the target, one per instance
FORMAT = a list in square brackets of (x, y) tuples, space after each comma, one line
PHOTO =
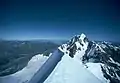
[(76, 47), (95, 54), (82, 36), (80, 59)]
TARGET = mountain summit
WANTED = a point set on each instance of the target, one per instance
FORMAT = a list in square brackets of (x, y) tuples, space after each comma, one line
[(100, 58), (78, 43), (79, 60)]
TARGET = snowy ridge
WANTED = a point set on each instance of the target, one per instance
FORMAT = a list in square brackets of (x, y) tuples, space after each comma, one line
[(70, 70), (95, 57), (77, 48), (26, 73), (77, 44), (83, 61)]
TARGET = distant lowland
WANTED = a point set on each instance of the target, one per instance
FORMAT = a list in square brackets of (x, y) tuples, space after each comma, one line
[(15, 54)]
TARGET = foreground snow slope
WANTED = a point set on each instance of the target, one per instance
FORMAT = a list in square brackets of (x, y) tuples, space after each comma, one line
[(26, 73), (100, 58), (69, 70)]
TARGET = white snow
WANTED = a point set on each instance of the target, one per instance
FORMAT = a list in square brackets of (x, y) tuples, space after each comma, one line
[(50, 54), (63, 48), (26, 73), (100, 48), (103, 45), (80, 53), (82, 36), (75, 66), (69, 70), (95, 68)]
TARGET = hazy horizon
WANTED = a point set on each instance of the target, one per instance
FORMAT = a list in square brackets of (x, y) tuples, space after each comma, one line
[(60, 20)]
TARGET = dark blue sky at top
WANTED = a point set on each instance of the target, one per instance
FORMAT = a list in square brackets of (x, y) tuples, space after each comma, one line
[(60, 19)]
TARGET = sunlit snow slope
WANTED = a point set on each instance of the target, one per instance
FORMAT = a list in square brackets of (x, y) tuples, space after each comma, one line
[(69, 70), (100, 58), (82, 61), (26, 73)]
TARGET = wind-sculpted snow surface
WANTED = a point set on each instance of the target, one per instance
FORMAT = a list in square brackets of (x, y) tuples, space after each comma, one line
[(26, 73)]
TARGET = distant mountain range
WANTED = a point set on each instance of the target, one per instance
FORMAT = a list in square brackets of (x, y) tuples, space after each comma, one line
[(101, 58)]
